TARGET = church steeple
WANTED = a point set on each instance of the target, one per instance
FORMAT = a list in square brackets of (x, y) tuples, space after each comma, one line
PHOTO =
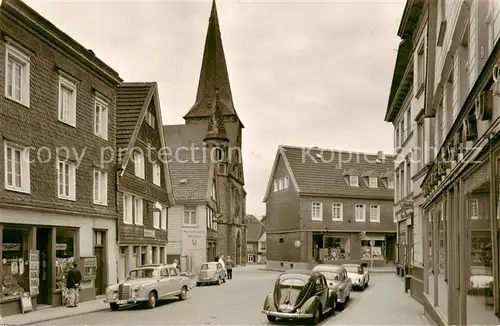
[(216, 131), (213, 74)]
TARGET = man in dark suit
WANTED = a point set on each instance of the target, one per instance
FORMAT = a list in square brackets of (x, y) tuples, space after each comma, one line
[(73, 284)]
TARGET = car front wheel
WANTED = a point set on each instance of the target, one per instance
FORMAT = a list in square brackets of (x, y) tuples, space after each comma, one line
[(317, 315), (271, 319), (114, 306), (183, 295), (151, 300)]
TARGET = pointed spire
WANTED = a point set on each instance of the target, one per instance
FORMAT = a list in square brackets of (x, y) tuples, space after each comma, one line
[(214, 74), (216, 132)]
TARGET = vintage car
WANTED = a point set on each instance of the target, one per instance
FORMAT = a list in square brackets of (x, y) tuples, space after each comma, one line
[(358, 274), (338, 282), (211, 273), (148, 284), (299, 295), (481, 279)]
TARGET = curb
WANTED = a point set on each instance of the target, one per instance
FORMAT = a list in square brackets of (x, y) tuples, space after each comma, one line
[(374, 271), (56, 318)]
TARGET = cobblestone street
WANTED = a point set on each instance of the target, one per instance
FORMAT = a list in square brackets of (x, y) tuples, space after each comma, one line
[(239, 302)]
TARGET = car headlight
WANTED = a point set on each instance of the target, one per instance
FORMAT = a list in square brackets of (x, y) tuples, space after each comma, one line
[(140, 288)]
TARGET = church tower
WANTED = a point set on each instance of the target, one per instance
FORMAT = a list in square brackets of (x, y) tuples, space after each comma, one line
[(214, 106)]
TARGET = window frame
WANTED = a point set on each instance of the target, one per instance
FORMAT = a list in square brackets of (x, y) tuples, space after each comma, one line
[(164, 218), (356, 206), (351, 179), (128, 209), (102, 185), (340, 208), (377, 216), (370, 179), (150, 119), (190, 210), (320, 217), (138, 209), (18, 56), (474, 201), (25, 168), (156, 219), (65, 82), (103, 108), (156, 174), (71, 166), (139, 167), (286, 182), (275, 188)]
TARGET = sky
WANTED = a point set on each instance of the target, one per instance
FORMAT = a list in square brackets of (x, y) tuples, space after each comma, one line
[(303, 73)]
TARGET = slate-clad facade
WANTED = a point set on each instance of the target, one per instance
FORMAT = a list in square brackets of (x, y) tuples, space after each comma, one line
[(324, 208), (144, 187), (54, 94), (214, 87)]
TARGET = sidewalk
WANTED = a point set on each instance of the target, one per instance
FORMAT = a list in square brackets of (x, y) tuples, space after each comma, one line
[(48, 314), (384, 269)]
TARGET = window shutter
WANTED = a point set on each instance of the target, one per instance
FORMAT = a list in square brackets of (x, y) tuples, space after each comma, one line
[(25, 170), (104, 122), (163, 218), (72, 180), (104, 188)]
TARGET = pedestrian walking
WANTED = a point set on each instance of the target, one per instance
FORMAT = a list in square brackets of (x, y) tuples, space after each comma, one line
[(229, 266), (176, 265), (73, 281)]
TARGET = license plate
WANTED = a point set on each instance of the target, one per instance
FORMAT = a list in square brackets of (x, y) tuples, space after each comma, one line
[(122, 301)]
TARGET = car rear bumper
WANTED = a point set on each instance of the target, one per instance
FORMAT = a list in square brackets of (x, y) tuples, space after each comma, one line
[(129, 301), (287, 314)]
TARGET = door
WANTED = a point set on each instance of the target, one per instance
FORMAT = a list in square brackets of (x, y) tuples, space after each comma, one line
[(165, 287), (175, 279), (321, 291), (100, 279), (42, 245)]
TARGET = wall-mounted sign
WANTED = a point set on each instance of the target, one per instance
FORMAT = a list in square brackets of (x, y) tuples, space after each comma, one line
[(196, 234), (406, 205), (61, 246), (149, 233), (297, 243)]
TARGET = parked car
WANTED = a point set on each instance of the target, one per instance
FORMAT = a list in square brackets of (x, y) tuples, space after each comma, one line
[(358, 274), (211, 273), (481, 279), (148, 284), (338, 282), (299, 295)]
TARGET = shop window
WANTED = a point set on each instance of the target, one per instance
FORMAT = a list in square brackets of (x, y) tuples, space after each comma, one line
[(335, 248), (65, 255), (377, 251), (14, 254)]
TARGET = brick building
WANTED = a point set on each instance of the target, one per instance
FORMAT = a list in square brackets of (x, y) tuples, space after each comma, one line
[(57, 198), (329, 206), (144, 188), (214, 87), (255, 231)]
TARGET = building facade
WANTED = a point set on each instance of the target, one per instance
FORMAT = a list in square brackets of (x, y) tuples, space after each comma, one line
[(329, 206), (459, 197), (214, 86), (261, 248), (144, 186), (53, 208), (412, 132), (192, 229), (255, 231)]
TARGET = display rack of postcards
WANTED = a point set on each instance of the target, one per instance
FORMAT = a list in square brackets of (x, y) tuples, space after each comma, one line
[(12, 270), (63, 265), (34, 269)]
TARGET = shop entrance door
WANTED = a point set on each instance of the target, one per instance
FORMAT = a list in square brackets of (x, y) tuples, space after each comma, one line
[(43, 240), (100, 277)]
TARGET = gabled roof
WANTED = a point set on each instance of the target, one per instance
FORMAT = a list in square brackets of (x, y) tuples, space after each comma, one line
[(349, 172), (370, 173), (132, 102), (254, 228), (213, 75), (280, 154), (325, 177)]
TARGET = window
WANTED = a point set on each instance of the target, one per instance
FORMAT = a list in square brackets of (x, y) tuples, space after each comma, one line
[(408, 121), (139, 165), (474, 209), (138, 211), (66, 180), (213, 193), (402, 130), (317, 211), (337, 212), (17, 78), (397, 193), (276, 185), (420, 67), (17, 168), (163, 222), (150, 119), (353, 181), (390, 183), (420, 145), (373, 182), (190, 215), (408, 178), (67, 101), (101, 119), (359, 210), (280, 184), (396, 137), (156, 174), (374, 213), (286, 182), (156, 219), (100, 187), (127, 209)]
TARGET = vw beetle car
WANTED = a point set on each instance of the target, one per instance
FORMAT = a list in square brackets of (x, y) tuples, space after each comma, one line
[(210, 273), (148, 284), (338, 282), (358, 274), (299, 295)]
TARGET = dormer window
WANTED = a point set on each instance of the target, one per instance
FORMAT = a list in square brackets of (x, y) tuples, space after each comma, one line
[(390, 183), (151, 119), (373, 182), (353, 181)]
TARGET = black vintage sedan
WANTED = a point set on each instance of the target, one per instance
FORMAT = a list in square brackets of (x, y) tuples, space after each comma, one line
[(299, 294)]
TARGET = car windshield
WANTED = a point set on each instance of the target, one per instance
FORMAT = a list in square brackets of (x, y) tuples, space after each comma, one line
[(479, 270), (142, 273), (354, 269), (331, 276), (205, 267)]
